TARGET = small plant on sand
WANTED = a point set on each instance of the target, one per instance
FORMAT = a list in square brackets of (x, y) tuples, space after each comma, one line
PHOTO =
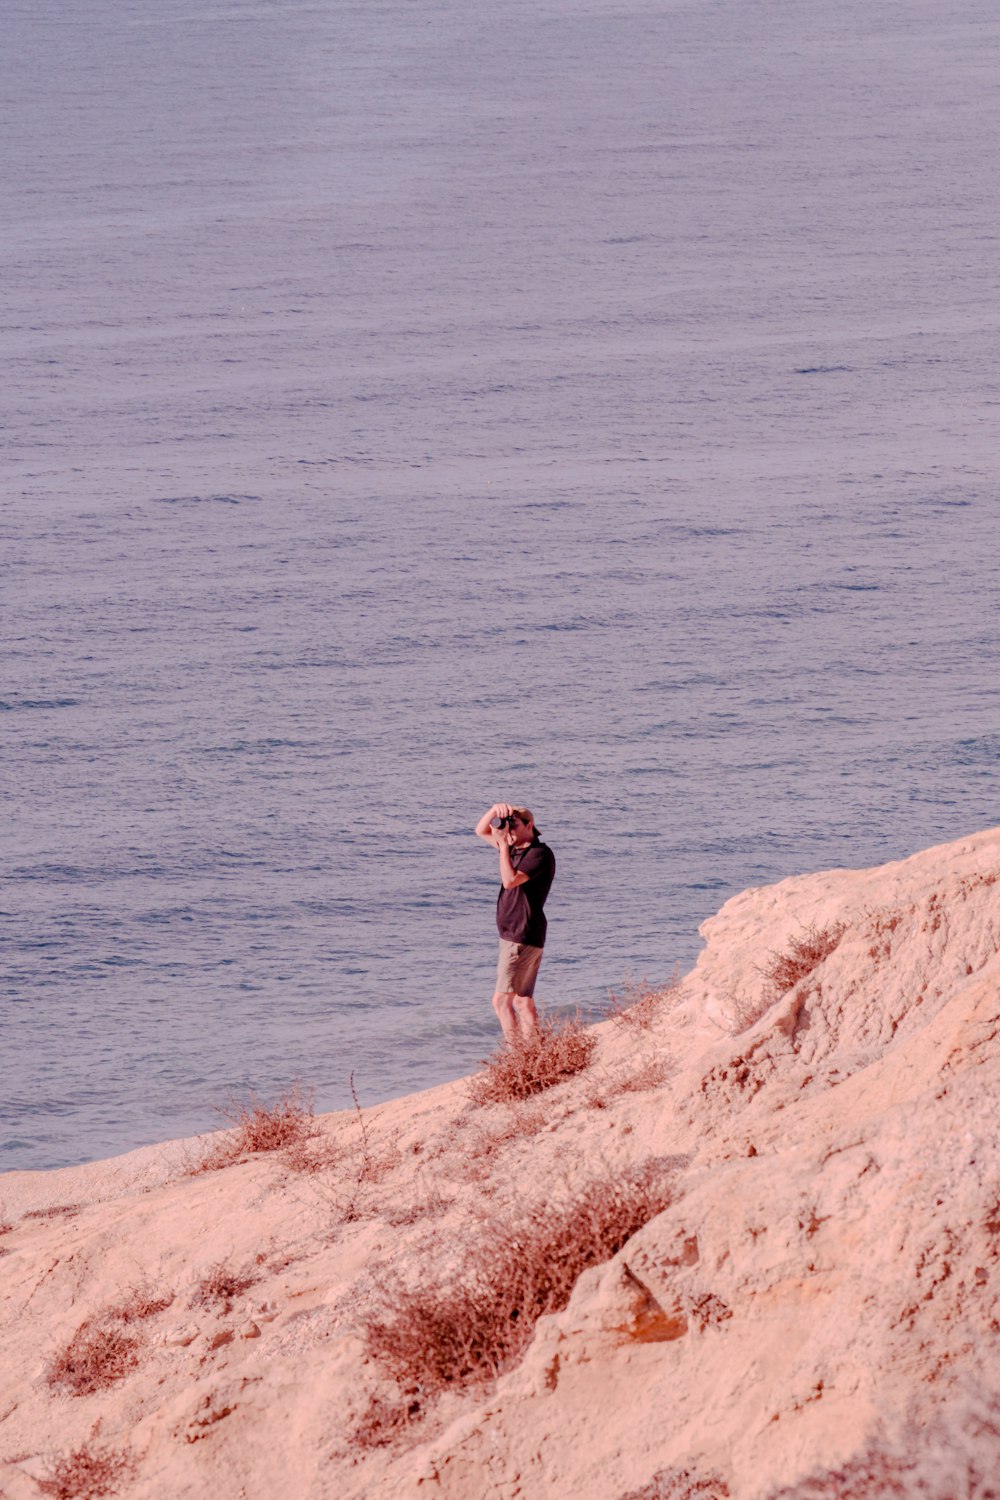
[(259, 1127), (783, 973), (472, 1145), (681, 1484), (477, 1324), (527, 1066), (647, 1075), (223, 1283), (805, 953), (97, 1356), (88, 1474), (638, 1003), (139, 1303), (310, 1154), (56, 1211)]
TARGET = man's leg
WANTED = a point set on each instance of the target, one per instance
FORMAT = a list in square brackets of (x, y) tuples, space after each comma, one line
[(527, 1015), (503, 1003)]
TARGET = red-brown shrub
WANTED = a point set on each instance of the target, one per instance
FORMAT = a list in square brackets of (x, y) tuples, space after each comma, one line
[(804, 954), (223, 1283), (87, 1474), (681, 1484), (96, 1357), (312, 1154), (531, 1064), (476, 1325), (260, 1127), (648, 1074), (638, 1003), (139, 1303)]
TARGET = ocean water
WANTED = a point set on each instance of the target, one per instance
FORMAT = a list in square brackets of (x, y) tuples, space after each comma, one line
[(411, 403)]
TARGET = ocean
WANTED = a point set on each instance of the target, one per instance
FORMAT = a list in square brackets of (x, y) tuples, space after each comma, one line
[(410, 405)]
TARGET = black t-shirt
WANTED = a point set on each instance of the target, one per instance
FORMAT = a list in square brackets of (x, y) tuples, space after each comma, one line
[(520, 918)]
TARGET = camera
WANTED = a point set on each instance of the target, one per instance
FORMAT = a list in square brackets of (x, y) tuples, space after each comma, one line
[(506, 824)]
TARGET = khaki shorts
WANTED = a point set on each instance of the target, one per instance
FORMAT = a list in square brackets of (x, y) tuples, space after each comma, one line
[(517, 968)]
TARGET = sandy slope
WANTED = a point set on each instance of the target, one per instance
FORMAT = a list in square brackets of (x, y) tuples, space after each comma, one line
[(826, 1274)]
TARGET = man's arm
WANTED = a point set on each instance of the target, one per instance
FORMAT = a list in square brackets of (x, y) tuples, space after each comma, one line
[(500, 839), (498, 810), (509, 877)]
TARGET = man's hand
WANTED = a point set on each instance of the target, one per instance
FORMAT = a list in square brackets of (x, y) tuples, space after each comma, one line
[(485, 831)]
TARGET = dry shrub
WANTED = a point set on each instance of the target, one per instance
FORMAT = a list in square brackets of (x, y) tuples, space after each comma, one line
[(311, 1154), (649, 1074), (805, 954), (428, 1203), (258, 1127), (471, 1147), (139, 1303), (57, 1211), (783, 973), (223, 1283), (681, 1484), (745, 1012), (527, 1066), (478, 1324), (638, 1003), (385, 1421), (88, 1474), (96, 1357)]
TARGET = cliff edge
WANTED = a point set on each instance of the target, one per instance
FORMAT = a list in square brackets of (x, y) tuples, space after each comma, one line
[(798, 1297)]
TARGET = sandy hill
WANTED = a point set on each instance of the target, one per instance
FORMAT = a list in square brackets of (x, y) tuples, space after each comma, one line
[(762, 1225)]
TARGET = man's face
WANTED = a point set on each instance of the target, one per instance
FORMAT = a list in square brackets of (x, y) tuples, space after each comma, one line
[(521, 832)]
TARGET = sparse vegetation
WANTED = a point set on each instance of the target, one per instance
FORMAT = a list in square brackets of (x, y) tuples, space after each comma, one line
[(528, 1066), (385, 1420), (649, 1074), (140, 1302), (805, 953), (476, 1325), (260, 1127), (88, 1474), (473, 1143), (428, 1202), (56, 1211), (681, 1484), (784, 971), (101, 1352), (638, 1003), (97, 1356), (314, 1153), (222, 1284)]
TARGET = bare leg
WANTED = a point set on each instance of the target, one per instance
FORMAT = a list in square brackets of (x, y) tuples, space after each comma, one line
[(527, 1015), (503, 1004)]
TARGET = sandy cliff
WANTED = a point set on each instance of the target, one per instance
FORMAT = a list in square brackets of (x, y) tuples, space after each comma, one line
[(814, 1311)]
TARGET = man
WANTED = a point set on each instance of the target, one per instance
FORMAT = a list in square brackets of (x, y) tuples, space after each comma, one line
[(527, 868)]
